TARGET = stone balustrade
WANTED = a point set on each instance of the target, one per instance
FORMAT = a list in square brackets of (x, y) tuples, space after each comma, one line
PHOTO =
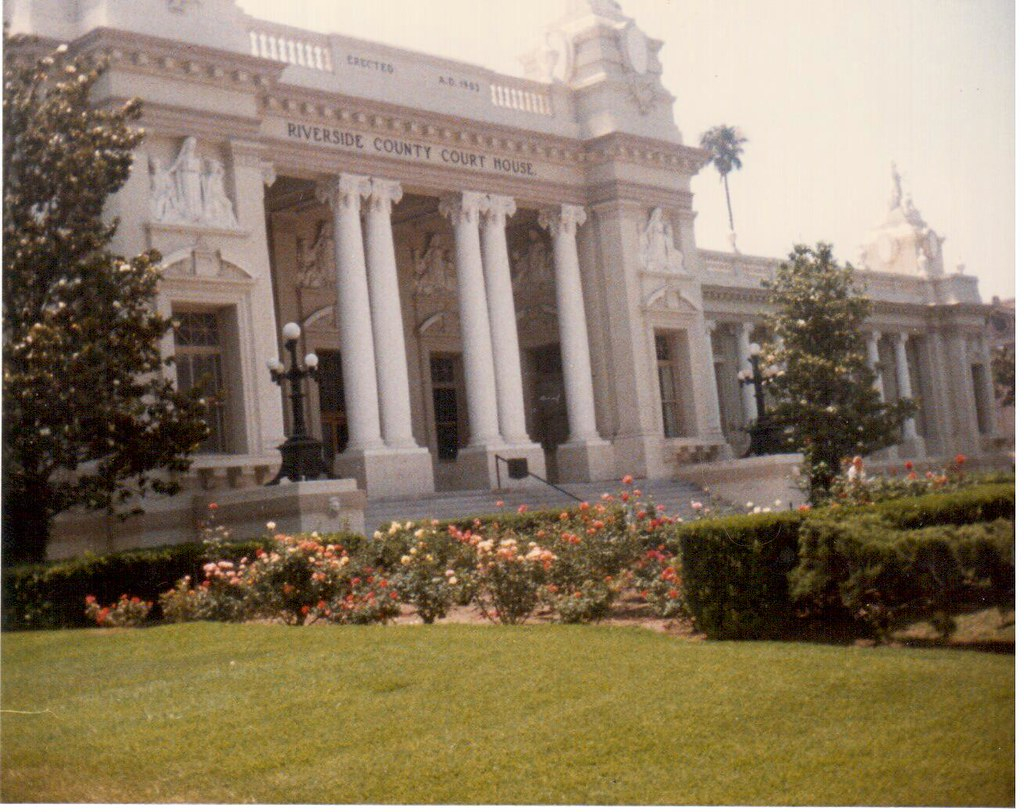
[(520, 98), (306, 51)]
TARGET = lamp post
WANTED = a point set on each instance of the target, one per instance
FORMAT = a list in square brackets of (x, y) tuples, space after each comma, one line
[(301, 455), (764, 436)]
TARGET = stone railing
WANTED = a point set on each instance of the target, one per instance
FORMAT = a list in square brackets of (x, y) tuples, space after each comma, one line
[(283, 45), (521, 98), (754, 269)]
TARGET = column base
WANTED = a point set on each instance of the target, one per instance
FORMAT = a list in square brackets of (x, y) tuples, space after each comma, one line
[(912, 449), (585, 461), (477, 469), (641, 455), (388, 472)]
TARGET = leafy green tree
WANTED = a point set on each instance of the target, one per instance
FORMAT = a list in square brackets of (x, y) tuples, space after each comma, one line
[(88, 417), (725, 145), (825, 396)]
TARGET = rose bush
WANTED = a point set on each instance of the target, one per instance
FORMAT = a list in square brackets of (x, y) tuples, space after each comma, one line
[(127, 612)]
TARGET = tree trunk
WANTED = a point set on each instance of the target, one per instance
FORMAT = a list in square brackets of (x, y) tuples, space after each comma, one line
[(26, 522), (728, 202)]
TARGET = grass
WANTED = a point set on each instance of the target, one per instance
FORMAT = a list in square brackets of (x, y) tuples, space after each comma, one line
[(484, 715)]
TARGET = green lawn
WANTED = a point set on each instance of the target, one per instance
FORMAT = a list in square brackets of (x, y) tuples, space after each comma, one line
[(484, 715)]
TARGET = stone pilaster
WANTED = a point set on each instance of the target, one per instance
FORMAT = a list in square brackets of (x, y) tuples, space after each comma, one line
[(585, 456)]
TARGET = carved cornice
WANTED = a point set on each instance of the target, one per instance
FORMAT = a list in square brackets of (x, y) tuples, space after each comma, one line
[(640, 193), (142, 53), (645, 152)]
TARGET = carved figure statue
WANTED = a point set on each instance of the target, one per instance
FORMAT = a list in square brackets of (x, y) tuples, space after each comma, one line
[(532, 265), (433, 267), (922, 262), (187, 170), (317, 263), (163, 198), (190, 190), (896, 197), (658, 252), (217, 208)]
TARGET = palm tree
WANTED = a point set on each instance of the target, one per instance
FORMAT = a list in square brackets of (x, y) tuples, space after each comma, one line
[(725, 145)]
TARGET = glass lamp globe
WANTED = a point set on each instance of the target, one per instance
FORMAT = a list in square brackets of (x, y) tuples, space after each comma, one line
[(311, 360), (291, 331)]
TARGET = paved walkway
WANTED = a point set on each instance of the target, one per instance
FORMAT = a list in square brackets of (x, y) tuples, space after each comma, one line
[(673, 494)]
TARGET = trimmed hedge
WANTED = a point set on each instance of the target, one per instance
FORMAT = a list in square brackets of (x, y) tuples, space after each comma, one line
[(855, 568), (978, 503), (882, 577), (52, 595), (734, 573)]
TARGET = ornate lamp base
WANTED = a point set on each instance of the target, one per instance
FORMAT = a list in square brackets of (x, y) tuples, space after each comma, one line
[(302, 459)]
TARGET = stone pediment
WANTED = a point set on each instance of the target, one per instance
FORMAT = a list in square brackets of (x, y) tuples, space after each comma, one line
[(671, 296), (203, 262)]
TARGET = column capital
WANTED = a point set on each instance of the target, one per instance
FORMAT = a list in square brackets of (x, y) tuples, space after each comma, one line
[(384, 193), (462, 206), (344, 190), (565, 218), (269, 173), (496, 208), (709, 326)]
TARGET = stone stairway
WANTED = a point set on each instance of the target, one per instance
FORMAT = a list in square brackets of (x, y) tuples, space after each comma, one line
[(672, 493)]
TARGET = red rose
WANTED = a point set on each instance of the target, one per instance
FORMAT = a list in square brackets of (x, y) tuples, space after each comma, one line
[(908, 465)]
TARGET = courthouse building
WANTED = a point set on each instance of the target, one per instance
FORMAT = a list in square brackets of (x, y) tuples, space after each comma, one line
[(484, 264)]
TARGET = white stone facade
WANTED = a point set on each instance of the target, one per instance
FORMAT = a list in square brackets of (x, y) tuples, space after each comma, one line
[(486, 265)]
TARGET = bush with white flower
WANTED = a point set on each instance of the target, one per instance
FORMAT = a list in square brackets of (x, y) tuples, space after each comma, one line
[(434, 572)]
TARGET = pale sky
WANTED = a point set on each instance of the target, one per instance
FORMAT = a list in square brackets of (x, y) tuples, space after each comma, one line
[(828, 92)]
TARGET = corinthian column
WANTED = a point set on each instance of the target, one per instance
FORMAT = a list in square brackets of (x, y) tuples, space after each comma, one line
[(501, 311), (344, 194), (903, 384), (562, 222), (388, 335), (873, 360), (463, 209)]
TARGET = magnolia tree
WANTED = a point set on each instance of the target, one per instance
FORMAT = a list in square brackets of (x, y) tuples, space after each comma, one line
[(88, 417), (825, 397)]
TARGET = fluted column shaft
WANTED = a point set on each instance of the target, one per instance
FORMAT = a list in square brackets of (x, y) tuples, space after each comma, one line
[(344, 194), (712, 418), (562, 222), (463, 209), (873, 360), (746, 390), (989, 394), (386, 307), (501, 312), (903, 384)]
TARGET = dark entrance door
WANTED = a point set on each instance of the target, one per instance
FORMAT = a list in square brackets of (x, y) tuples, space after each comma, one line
[(550, 415), (333, 424)]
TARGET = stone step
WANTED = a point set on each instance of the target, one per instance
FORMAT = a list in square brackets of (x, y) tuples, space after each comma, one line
[(673, 494)]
